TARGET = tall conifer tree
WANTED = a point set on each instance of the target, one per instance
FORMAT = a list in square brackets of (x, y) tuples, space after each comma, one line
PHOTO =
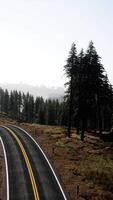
[(71, 70)]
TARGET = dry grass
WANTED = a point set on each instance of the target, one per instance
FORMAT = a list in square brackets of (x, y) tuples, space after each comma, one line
[(99, 170), (86, 164)]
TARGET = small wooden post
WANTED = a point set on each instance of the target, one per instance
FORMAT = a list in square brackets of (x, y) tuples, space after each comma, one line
[(77, 190), (53, 151), (35, 132)]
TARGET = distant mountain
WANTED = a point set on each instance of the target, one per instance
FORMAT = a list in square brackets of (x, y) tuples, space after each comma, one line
[(45, 92)]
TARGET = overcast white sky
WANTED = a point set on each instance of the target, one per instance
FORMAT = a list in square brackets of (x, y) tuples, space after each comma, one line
[(36, 36)]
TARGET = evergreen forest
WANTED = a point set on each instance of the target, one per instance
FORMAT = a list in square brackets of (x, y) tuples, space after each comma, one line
[(87, 104), (89, 94)]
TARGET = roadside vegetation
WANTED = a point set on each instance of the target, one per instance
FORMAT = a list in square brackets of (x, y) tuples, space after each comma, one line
[(85, 168)]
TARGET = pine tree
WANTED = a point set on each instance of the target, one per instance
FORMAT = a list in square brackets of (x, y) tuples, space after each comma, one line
[(1, 99), (106, 100), (51, 112), (31, 109), (40, 110), (11, 104), (25, 107), (6, 102), (94, 74), (71, 70), (19, 106), (80, 95)]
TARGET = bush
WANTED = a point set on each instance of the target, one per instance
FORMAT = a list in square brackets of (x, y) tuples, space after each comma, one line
[(98, 169)]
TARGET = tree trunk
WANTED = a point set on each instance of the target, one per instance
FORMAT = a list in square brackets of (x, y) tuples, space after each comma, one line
[(83, 128), (99, 113), (70, 112)]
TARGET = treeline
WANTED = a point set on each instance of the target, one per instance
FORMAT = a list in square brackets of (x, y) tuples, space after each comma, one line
[(89, 95), (24, 108)]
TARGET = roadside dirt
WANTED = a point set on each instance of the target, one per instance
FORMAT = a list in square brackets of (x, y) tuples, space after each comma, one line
[(79, 164)]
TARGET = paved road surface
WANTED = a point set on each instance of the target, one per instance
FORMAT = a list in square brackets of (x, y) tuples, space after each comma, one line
[(29, 174)]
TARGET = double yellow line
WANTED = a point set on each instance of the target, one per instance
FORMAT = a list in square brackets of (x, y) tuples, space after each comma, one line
[(32, 178)]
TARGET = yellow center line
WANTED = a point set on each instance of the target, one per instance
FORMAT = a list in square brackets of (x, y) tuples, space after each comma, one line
[(32, 178)]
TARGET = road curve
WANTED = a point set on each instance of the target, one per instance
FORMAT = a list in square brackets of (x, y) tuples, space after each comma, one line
[(30, 175)]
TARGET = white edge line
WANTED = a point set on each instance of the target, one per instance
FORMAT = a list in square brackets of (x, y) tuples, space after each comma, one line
[(46, 160), (6, 167)]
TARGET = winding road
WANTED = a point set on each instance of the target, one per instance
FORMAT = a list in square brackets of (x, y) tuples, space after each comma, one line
[(29, 174)]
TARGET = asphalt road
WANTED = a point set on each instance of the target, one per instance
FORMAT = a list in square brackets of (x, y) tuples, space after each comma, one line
[(29, 173)]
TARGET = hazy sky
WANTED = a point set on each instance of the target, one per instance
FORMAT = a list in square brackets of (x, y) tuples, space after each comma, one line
[(36, 36)]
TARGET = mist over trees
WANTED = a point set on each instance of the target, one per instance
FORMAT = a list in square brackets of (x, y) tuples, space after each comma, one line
[(25, 108), (89, 94), (35, 90)]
